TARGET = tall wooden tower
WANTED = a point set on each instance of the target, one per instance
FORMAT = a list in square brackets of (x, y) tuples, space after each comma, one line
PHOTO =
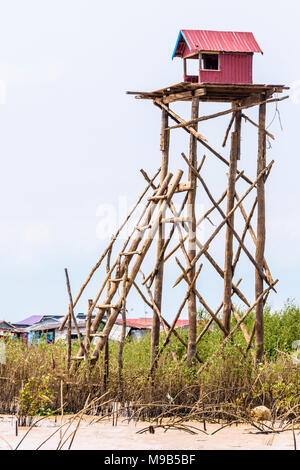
[(224, 76)]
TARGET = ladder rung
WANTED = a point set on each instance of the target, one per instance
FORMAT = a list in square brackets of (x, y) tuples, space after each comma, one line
[(141, 229), (183, 187), (157, 198), (105, 306), (174, 220)]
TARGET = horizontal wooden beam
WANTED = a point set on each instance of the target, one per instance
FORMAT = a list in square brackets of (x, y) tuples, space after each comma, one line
[(246, 104), (185, 95)]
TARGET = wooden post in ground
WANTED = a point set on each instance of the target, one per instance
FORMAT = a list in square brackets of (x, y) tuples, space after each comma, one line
[(106, 347), (69, 332), (234, 156), (261, 234), (88, 326), (192, 309), (164, 147)]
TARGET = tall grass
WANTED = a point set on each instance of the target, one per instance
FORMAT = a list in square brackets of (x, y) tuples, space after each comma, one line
[(31, 379)]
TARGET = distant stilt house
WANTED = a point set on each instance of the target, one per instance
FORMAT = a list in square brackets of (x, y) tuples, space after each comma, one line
[(7, 329), (28, 321), (47, 329), (44, 329), (26, 327), (35, 328)]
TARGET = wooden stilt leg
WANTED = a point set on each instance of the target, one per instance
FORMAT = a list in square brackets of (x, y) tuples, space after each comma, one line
[(261, 234), (69, 331), (88, 326), (234, 156), (192, 311), (106, 347), (164, 146)]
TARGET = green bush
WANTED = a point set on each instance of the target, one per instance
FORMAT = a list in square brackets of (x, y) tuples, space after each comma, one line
[(282, 328), (33, 374)]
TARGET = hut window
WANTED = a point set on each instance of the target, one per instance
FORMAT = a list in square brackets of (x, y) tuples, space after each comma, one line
[(210, 62)]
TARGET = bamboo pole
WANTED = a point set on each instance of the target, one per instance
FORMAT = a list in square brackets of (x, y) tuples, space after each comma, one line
[(162, 320), (253, 329), (164, 147), (137, 264), (123, 334), (88, 325), (212, 318), (226, 220), (186, 228), (106, 347), (146, 215), (73, 316), (256, 125), (228, 129), (205, 216), (98, 264), (61, 405), (202, 301), (242, 319), (69, 351), (253, 236), (162, 253), (228, 274), (172, 327), (198, 136), (192, 309), (245, 231), (261, 234), (147, 211)]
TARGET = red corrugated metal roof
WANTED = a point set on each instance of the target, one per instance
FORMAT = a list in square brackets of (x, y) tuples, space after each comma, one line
[(182, 323), (137, 322), (146, 322), (221, 41)]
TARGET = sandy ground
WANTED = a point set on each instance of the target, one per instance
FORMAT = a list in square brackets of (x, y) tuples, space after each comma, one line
[(105, 436)]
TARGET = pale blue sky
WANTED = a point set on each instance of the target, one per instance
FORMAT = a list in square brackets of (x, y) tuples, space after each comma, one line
[(71, 139)]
